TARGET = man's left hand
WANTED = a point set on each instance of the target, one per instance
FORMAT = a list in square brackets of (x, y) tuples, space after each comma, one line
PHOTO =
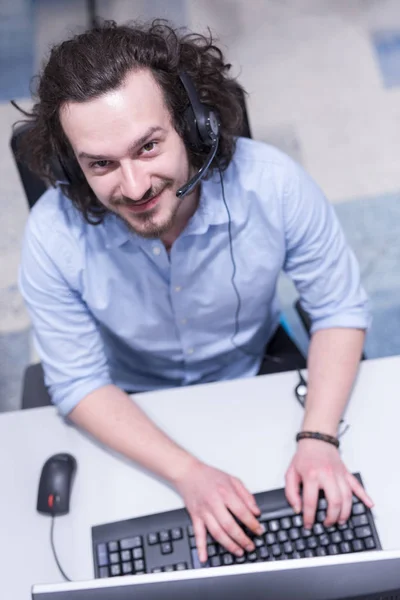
[(318, 466)]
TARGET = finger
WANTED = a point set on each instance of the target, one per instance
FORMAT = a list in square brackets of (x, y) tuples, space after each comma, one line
[(245, 495), (245, 516), (200, 534), (310, 499), (333, 496), (359, 491), (232, 529), (292, 489), (347, 496), (220, 535)]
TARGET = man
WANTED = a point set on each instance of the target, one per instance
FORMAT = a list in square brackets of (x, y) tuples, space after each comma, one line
[(131, 288)]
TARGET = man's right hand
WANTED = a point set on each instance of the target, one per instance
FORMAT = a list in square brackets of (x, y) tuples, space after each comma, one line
[(212, 497)]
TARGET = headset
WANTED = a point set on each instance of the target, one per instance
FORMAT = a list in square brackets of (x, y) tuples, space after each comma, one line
[(202, 131)]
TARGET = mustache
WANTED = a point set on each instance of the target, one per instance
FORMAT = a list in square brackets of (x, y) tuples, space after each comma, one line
[(148, 195)]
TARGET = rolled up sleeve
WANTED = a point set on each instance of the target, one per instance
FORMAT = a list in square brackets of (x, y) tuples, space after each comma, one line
[(322, 266), (65, 333)]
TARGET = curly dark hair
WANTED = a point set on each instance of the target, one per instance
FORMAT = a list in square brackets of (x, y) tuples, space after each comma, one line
[(97, 61)]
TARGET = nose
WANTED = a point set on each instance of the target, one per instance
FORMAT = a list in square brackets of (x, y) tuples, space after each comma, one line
[(135, 180)]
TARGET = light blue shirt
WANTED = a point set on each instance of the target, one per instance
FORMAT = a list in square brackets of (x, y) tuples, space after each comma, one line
[(110, 307)]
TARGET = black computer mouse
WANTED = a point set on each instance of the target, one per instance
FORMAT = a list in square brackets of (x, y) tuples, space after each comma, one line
[(55, 485)]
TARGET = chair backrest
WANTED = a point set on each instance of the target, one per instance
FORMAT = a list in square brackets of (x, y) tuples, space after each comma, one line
[(34, 186)]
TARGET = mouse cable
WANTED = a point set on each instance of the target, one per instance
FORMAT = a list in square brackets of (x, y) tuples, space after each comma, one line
[(54, 549)]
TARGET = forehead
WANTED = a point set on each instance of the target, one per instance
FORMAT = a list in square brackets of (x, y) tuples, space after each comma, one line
[(117, 117)]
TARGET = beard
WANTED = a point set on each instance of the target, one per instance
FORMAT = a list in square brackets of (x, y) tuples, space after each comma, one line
[(152, 223)]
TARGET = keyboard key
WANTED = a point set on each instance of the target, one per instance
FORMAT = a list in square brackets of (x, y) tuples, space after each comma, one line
[(169, 569), (126, 555), (331, 529), (113, 546), (211, 550), (190, 530), (286, 523), (345, 547), (227, 559), (157, 570), (318, 529), (297, 554), (177, 534), (209, 539), (294, 534), (152, 539), (273, 526), (324, 540), (270, 538), (182, 566), (240, 559), (137, 553), (322, 504), (282, 536), (336, 537), (216, 561), (115, 570), (358, 546), (130, 543), (252, 556), (258, 542), (333, 549), (166, 548), (263, 553), (358, 508), (305, 533), (308, 553), (114, 558), (321, 551), (192, 542), (369, 543), (311, 543), (139, 565), (276, 550), (196, 562), (288, 547), (297, 521), (342, 526), (359, 520), (127, 568), (362, 532), (164, 536), (102, 555), (348, 535), (103, 572), (300, 545), (321, 516)]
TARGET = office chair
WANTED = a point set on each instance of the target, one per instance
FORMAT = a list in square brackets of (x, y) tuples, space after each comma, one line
[(34, 392)]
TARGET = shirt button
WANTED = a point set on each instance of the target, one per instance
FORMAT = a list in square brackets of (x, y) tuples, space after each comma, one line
[(190, 351), (178, 288), (156, 250)]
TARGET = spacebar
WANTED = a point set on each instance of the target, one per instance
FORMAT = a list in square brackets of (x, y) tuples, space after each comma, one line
[(277, 514)]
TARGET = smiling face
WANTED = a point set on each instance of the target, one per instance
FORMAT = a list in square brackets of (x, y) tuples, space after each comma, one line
[(131, 155)]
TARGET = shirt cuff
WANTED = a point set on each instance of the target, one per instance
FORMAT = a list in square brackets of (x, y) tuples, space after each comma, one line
[(66, 400), (347, 320)]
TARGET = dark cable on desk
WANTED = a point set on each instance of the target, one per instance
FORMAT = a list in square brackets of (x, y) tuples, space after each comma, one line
[(54, 550)]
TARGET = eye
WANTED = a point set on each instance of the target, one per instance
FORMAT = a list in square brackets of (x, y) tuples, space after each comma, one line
[(149, 147), (99, 164)]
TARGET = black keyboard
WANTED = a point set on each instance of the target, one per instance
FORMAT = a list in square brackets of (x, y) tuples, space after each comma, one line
[(165, 541)]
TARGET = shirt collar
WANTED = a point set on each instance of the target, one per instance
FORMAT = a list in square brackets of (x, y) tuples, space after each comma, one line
[(211, 211)]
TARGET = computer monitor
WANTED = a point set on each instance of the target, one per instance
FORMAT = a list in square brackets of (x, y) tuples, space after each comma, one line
[(368, 576)]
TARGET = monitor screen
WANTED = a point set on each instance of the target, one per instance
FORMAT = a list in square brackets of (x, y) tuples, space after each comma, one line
[(368, 576)]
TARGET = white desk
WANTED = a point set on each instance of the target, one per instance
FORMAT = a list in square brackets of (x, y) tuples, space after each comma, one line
[(245, 427)]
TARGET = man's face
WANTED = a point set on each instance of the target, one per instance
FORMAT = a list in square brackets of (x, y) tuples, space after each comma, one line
[(130, 153)]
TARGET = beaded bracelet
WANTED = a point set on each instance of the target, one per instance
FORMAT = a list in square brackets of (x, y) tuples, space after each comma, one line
[(315, 435)]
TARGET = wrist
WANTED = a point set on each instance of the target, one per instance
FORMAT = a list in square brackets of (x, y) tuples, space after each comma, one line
[(181, 466)]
